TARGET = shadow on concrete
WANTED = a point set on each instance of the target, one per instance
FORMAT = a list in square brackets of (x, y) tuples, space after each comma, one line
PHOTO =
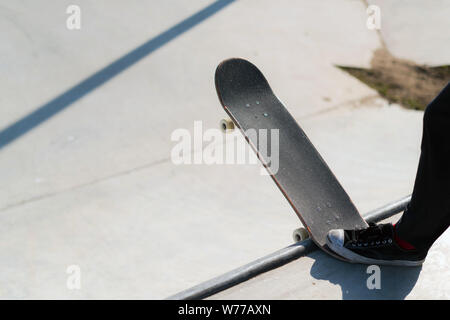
[(64, 100), (396, 282)]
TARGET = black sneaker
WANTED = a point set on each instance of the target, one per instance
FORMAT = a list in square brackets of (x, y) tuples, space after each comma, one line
[(374, 245)]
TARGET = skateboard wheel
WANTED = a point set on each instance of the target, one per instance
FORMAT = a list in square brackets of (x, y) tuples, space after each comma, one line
[(300, 234), (226, 125)]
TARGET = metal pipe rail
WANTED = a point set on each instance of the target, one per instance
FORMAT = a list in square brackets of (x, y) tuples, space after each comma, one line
[(276, 259)]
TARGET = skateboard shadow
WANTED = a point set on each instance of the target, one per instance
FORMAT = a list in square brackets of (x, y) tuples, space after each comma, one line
[(395, 282)]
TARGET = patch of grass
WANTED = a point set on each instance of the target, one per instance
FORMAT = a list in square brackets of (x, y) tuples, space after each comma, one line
[(401, 81)]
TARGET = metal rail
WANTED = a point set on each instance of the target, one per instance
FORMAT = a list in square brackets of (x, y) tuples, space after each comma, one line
[(275, 259), (388, 210)]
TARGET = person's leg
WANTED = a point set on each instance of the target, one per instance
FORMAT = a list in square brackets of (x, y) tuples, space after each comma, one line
[(428, 214)]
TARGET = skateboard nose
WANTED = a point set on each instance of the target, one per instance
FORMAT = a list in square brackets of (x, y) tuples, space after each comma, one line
[(336, 237)]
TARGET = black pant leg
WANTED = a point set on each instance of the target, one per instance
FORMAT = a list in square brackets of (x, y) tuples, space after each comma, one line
[(428, 214)]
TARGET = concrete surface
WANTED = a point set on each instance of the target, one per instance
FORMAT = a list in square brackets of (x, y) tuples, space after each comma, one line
[(319, 276), (416, 30), (85, 128)]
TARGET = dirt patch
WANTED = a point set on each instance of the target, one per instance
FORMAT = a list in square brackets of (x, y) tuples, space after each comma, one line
[(402, 81)]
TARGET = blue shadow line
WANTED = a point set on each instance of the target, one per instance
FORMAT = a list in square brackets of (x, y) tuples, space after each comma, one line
[(64, 100)]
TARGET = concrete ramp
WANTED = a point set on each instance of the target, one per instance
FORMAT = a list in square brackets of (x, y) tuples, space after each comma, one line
[(302, 271), (87, 115), (319, 276)]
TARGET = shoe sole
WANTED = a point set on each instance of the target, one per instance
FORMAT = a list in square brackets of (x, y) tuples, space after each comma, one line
[(356, 258)]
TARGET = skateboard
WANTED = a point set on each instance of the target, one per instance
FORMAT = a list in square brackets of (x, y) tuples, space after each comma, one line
[(301, 174)]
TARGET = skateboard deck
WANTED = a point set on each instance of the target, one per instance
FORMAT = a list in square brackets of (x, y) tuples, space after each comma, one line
[(302, 175)]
